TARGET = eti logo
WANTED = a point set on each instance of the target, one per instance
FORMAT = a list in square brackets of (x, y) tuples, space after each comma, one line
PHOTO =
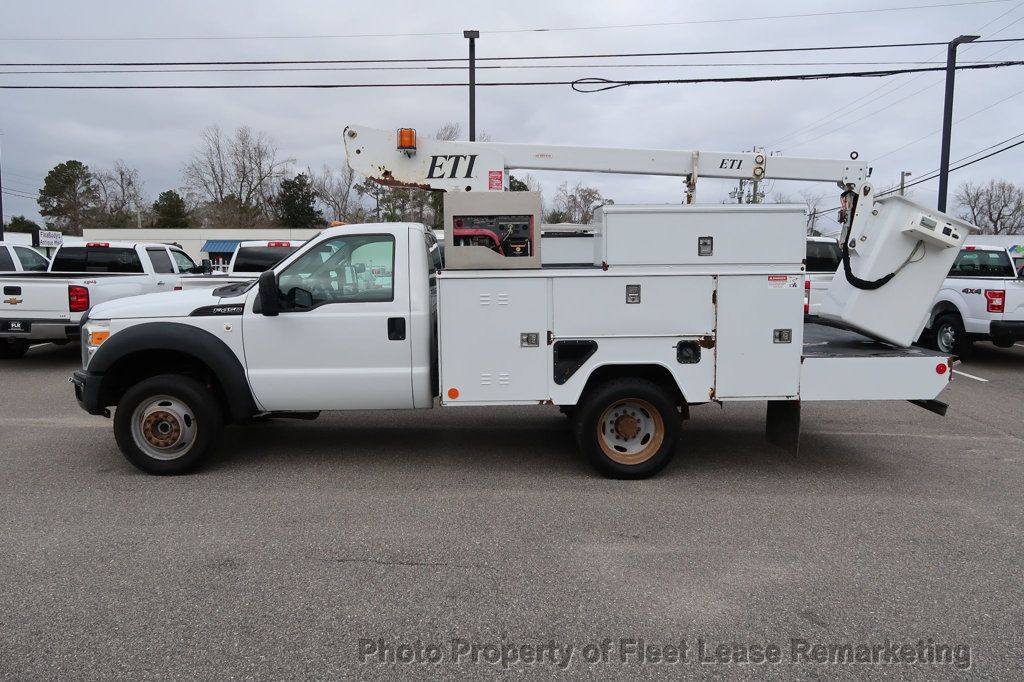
[(451, 166)]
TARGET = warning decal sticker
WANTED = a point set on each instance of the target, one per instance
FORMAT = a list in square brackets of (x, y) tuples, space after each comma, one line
[(784, 281)]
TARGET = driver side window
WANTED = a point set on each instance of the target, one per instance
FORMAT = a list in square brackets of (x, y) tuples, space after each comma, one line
[(348, 269)]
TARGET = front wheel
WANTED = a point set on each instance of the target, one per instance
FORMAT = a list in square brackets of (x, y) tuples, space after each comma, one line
[(167, 424), (12, 349), (627, 428)]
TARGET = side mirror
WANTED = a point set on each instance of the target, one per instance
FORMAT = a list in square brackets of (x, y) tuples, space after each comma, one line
[(206, 266), (269, 298)]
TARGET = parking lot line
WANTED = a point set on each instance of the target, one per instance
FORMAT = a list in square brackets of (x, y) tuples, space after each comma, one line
[(969, 376), (1019, 345)]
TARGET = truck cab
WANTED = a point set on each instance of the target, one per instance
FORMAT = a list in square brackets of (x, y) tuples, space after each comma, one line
[(19, 258)]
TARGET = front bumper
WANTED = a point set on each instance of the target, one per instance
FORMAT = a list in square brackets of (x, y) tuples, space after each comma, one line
[(47, 330), (88, 388), (1006, 332)]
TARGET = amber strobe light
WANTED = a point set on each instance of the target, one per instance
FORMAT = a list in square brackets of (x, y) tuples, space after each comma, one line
[(407, 139)]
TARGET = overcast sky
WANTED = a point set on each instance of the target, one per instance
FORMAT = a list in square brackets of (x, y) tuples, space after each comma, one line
[(155, 131)]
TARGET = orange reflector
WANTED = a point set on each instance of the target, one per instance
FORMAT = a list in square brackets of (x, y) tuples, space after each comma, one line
[(407, 138), (453, 393), (96, 338)]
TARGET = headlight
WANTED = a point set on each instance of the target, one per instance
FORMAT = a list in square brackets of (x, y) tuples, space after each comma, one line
[(94, 333)]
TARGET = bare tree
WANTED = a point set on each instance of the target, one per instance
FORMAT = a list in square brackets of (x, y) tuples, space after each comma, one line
[(448, 131), (813, 201), (576, 204), (996, 208), (336, 191), (242, 170), (121, 194)]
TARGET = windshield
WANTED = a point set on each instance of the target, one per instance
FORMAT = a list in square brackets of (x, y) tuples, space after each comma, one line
[(260, 258), (96, 259), (823, 256)]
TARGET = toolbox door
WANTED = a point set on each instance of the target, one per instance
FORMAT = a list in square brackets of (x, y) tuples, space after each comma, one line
[(760, 336)]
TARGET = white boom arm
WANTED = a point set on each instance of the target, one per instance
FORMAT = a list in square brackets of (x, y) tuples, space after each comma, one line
[(483, 166)]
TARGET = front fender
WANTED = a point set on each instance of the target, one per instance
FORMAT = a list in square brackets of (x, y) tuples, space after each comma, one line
[(188, 340)]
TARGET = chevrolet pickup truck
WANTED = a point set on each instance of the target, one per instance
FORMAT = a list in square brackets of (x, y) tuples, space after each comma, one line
[(247, 262), (39, 307), (18, 258)]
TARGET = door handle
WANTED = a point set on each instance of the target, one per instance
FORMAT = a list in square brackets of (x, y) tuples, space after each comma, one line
[(396, 328)]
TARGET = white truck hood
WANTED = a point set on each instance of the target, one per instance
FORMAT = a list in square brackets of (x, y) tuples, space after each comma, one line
[(163, 304)]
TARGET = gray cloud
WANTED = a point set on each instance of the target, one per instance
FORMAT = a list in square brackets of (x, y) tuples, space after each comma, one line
[(155, 130)]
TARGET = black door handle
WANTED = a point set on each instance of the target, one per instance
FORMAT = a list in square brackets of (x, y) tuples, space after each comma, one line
[(396, 328)]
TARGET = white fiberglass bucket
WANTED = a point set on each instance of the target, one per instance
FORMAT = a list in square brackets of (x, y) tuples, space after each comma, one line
[(919, 245)]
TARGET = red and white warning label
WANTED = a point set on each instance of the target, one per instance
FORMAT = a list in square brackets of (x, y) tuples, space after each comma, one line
[(783, 281), (494, 180)]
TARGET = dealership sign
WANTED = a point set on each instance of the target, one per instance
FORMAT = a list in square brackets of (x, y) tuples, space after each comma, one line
[(49, 239)]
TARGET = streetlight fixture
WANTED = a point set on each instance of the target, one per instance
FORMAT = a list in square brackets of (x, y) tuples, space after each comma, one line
[(472, 36), (903, 177), (947, 115)]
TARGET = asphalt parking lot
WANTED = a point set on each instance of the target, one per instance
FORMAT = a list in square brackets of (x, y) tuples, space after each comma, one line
[(483, 526)]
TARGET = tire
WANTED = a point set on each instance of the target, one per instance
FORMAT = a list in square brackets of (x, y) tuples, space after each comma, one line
[(627, 428), (167, 425), (951, 337), (12, 349)]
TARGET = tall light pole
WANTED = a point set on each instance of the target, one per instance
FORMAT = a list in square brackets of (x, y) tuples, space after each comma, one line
[(903, 178), (947, 116), (472, 36)]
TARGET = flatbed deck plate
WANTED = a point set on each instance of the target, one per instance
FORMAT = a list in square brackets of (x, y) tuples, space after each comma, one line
[(824, 341)]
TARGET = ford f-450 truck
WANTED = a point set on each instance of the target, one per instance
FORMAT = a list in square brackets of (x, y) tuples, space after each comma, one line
[(680, 306)]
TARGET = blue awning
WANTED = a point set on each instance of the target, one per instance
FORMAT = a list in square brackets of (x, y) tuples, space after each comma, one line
[(220, 245)]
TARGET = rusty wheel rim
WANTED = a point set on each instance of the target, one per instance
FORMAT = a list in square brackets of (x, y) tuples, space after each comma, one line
[(630, 431), (164, 428)]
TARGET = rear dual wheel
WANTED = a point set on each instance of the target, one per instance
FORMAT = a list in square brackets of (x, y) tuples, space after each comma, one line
[(627, 428)]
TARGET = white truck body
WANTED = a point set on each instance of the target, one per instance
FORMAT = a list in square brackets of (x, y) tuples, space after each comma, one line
[(250, 258), (20, 258), (49, 306), (679, 306)]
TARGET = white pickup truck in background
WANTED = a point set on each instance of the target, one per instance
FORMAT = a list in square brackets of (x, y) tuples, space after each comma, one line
[(247, 262), (981, 300), (37, 307), (823, 259), (19, 258)]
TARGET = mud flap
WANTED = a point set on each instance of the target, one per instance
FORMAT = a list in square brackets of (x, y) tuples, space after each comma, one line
[(782, 428)]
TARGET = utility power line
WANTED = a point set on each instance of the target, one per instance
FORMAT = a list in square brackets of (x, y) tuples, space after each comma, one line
[(934, 174), (688, 22), (463, 60), (306, 69), (862, 101), (585, 85)]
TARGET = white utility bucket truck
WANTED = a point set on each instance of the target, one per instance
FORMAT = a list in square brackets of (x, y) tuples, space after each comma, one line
[(680, 305)]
